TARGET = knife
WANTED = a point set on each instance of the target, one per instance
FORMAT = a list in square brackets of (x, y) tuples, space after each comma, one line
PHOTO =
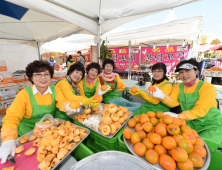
[(11, 159)]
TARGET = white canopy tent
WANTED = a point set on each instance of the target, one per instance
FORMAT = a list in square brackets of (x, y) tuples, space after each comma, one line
[(97, 17)]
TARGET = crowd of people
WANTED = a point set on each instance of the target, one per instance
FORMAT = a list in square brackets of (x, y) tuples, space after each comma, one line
[(196, 98)]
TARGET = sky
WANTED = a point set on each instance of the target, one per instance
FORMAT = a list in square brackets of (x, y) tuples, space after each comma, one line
[(211, 9)]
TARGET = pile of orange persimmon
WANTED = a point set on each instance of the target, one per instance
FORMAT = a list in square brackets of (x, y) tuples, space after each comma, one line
[(167, 140)]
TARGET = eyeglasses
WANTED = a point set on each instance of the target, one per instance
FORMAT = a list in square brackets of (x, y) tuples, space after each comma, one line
[(157, 72), (41, 75)]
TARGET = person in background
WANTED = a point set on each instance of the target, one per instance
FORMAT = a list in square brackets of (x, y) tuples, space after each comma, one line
[(71, 91), (81, 59), (51, 62), (70, 61), (30, 105), (111, 79), (197, 100), (90, 84), (160, 80)]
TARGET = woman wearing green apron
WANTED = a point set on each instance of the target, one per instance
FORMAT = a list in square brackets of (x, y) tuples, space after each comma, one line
[(160, 80), (90, 83), (71, 91), (30, 105), (111, 79), (197, 100)]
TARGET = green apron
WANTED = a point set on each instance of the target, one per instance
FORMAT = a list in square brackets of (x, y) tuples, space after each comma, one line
[(60, 114), (38, 111), (147, 106), (89, 92), (208, 127), (112, 94)]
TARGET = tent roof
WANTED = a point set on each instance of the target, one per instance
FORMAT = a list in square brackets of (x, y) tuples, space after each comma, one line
[(188, 29), (45, 20)]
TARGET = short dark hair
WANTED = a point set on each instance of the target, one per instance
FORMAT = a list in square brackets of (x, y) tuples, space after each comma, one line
[(190, 61), (74, 67), (38, 66), (93, 65), (79, 52), (160, 66), (109, 61)]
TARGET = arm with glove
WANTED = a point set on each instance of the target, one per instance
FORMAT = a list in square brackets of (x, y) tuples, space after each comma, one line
[(119, 81)]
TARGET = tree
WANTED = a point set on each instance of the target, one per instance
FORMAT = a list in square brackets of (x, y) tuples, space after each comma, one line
[(215, 42), (204, 39), (104, 52)]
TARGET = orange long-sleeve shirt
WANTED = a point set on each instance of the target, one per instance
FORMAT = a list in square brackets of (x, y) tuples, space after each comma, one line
[(22, 108), (166, 89), (207, 100)]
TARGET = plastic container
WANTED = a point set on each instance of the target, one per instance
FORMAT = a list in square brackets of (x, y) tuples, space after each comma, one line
[(122, 145), (131, 106), (81, 152), (99, 143), (216, 155)]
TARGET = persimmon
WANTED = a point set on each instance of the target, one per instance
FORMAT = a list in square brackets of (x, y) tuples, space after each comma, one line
[(179, 154), (143, 119), (147, 127), (151, 89), (144, 114), (133, 89), (137, 118), (200, 150), (187, 165), (19, 149), (117, 124), (173, 129), (113, 128), (162, 124), (177, 138), (152, 156), (74, 104), (106, 130), (199, 142), (104, 87), (185, 129), (189, 137), (132, 122), (153, 121), (148, 143), (194, 133), (167, 162), (176, 121), (139, 149), (151, 114), (167, 119), (155, 138), (186, 145), (142, 134), (135, 138), (159, 114), (138, 127), (160, 130), (183, 122), (23, 139), (169, 143), (160, 149), (148, 135), (120, 85), (30, 151), (196, 160), (98, 98)]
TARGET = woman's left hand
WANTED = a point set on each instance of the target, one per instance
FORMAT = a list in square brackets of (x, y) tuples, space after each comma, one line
[(158, 93), (122, 89)]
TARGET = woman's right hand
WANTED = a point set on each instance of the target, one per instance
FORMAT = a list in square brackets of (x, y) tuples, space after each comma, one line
[(6, 149), (93, 103)]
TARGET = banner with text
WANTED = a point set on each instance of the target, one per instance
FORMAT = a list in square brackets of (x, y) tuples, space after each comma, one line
[(170, 56), (121, 58)]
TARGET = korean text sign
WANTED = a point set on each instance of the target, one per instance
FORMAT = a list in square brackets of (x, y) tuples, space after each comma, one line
[(121, 58), (170, 56)]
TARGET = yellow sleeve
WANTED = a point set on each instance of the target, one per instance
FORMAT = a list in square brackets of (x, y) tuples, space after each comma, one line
[(60, 99), (171, 100), (207, 100), (119, 80), (97, 88), (166, 89), (14, 114), (67, 92), (81, 89)]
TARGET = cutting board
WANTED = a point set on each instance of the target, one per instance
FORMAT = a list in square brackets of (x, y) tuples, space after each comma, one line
[(24, 162)]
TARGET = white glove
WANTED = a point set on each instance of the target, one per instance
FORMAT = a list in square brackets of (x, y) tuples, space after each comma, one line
[(158, 93), (171, 114), (6, 149), (147, 85), (70, 111), (100, 92)]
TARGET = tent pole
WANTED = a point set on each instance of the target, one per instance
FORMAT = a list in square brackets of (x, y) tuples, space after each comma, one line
[(98, 43), (140, 56), (129, 70), (38, 50)]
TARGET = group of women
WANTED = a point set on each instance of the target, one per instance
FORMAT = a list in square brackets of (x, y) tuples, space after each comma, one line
[(196, 98)]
